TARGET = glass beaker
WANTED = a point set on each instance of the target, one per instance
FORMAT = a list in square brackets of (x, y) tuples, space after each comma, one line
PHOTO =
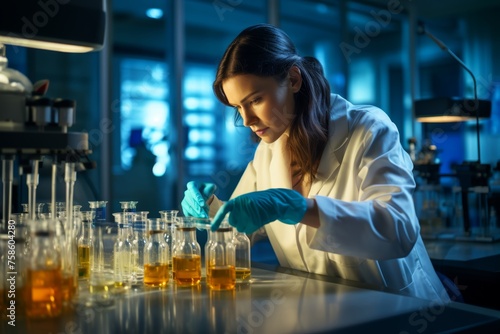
[(186, 261), (100, 209), (44, 295), (128, 206), (221, 271), (156, 271), (243, 257)]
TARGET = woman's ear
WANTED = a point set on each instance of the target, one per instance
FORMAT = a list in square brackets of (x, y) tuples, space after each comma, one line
[(295, 78)]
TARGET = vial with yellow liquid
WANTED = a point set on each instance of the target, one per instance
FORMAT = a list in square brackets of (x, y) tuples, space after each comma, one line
[(84, 244), (156, 273), (221, 271), (242, 245), (186, 260)]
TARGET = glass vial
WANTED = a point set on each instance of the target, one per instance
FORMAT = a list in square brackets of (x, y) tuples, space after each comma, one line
[(44, 295), (84, 244), (156, 273), (186, 261), (243, 258), (102, 281), (123, 253), (139, 240), (221, 273), (170, 219)]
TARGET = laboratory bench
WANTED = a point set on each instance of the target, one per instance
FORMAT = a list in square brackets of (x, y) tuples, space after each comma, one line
[(277, 300), (474, 267)]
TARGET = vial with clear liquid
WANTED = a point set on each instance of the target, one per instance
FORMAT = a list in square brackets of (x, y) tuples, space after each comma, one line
[(170, 219), (139, 240), (123, 253)]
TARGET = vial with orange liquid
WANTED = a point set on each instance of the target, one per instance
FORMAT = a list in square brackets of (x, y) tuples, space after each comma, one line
[(156, 273), (44, 295), (186, 260), (221, 271)]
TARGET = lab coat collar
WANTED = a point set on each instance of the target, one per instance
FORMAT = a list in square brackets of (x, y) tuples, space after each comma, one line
[(280, 161)]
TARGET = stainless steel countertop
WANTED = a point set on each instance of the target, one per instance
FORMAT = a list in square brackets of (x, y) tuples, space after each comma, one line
[(277, 301)]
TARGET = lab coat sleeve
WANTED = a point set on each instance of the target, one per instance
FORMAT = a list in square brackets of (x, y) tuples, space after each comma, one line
[(381, 222)]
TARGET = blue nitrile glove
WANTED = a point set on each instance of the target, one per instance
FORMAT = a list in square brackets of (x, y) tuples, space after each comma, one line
[(250, 211), (194, 203)]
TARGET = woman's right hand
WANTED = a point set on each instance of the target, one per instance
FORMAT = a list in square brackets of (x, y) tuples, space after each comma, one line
[(196, 196)]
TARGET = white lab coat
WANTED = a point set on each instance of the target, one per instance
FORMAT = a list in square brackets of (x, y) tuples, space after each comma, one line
[(369, 230)]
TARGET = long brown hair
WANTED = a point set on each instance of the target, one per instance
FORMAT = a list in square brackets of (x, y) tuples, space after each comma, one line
[(265, 50)]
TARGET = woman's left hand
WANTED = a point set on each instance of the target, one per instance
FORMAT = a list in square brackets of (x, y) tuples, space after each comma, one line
[(249, 212)]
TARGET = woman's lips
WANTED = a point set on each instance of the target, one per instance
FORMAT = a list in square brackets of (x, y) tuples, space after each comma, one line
[(260, 132)]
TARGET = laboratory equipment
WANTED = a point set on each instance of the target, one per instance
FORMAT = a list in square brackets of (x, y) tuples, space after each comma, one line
[(186, 261), (128, 206), (100, 210), (85, 244), (33, 133), (221, 271), (242, 251), (123, 252), (206, 249), (156, 273), (427, 199), (170, 219), (138, 240), (44, 288), (102, 278)]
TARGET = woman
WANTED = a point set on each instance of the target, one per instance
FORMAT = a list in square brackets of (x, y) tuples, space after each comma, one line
[(329, 184)]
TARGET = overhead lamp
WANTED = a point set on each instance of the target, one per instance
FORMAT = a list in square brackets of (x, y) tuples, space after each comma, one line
[(59, 25), (451, 109)]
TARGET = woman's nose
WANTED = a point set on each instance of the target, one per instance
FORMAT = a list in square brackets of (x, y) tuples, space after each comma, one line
[(248, 117)]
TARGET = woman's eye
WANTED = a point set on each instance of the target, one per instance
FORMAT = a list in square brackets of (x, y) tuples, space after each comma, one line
[(256, 100)]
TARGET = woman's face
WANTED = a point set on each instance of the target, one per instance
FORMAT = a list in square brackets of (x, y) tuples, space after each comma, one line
[(266, 106)]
